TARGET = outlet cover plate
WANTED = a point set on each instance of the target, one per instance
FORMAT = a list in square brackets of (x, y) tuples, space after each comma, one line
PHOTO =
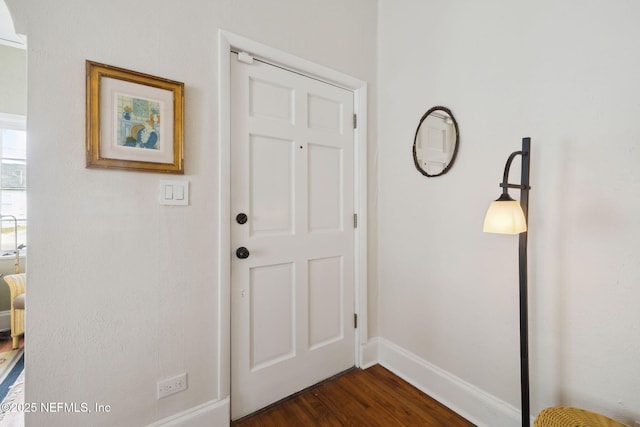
[(172, 385)]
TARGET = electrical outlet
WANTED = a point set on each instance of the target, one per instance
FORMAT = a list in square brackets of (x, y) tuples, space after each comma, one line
[(172, 385)]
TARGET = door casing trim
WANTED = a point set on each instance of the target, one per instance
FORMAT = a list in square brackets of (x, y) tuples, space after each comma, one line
[(227, 42)]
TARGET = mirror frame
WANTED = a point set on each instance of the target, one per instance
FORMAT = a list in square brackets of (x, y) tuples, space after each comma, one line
[(455, 148)]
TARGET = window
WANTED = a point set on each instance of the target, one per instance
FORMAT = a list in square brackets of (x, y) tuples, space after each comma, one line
[(13, 181)]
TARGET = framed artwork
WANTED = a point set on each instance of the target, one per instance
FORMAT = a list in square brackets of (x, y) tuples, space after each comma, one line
[(134, 120)]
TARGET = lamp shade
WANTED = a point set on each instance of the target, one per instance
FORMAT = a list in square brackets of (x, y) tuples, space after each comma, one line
[(505, 216)]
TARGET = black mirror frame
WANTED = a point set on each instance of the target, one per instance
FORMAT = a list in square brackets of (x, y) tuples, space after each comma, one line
[(455, 149)]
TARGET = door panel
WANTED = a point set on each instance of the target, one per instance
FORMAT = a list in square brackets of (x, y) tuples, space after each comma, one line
[(270, 100), (325, 188), (272, 315), (271, 178), (325, 114), (292, 157), (326, 301)]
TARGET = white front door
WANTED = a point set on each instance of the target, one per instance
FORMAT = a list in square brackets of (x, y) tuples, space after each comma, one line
[(292, 205)]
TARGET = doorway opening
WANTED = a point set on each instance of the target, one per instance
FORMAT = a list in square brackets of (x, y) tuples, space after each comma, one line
[(229, 43), (13, 214)]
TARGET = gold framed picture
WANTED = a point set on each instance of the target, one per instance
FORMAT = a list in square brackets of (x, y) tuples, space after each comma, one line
[(134, 120)]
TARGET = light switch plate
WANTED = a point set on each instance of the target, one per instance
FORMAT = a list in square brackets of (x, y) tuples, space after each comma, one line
[(174, 193)]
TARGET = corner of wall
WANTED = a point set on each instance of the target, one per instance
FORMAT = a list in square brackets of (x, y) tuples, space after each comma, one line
[(476, 405)]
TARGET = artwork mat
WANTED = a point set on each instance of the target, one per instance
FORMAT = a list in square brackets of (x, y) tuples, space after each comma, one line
[(104, 84), (110, 148)]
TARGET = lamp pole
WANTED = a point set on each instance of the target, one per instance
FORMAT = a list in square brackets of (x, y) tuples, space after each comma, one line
[(524, 306)]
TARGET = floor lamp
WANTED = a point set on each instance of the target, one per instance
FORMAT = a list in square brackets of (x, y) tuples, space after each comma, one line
[(507, 216)]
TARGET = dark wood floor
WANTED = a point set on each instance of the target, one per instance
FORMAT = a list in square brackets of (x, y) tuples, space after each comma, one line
[(371, 397)]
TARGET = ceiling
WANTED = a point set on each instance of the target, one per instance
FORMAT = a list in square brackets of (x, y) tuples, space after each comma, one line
[(8, 36)]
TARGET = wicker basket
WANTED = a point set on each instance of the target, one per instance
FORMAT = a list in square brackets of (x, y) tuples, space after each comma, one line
[(560, 416)]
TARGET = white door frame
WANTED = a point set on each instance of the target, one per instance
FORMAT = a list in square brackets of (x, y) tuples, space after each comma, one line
[(226, 42)]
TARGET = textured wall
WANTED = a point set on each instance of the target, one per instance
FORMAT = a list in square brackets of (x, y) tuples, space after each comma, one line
[(122, 291), (563, 74)]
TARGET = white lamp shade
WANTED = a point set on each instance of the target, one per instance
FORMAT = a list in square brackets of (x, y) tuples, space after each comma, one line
[(505, 217)]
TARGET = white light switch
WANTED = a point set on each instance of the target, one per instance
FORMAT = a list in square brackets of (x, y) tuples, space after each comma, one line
[(174, 192), (168, 192), (179, 193)]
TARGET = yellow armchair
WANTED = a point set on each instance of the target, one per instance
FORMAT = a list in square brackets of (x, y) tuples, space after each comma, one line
[(17, 286)]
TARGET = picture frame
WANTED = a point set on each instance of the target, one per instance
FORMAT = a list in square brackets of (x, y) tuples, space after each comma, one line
[(134, 121)]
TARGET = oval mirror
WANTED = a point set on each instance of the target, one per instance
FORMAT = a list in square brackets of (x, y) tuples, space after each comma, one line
[(436, 142)]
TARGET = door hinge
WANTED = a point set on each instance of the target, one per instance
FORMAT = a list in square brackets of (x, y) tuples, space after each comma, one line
[(355, 220), (355, 121), (355, 321)]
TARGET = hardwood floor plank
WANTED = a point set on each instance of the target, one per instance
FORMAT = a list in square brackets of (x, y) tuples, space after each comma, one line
[(434, 412), (306, 411), (371, 397), (319, 413), (351, 407), (404, 410)]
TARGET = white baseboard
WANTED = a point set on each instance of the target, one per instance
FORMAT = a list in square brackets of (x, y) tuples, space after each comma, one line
[(214, 413), (369, 353), (476, 405)]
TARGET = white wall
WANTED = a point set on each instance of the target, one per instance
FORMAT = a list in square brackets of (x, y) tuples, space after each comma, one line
[(122, 291), (563, 73)]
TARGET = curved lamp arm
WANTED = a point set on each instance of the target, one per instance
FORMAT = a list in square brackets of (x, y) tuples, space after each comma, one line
[(505, 215)]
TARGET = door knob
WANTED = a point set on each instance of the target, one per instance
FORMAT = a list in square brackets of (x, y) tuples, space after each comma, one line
[(242, 252), (241, 218)]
